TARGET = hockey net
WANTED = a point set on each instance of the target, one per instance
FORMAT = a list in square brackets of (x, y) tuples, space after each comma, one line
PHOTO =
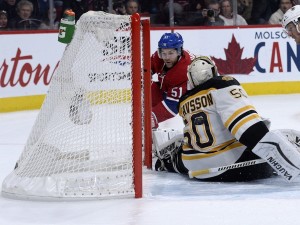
[(87, 139)]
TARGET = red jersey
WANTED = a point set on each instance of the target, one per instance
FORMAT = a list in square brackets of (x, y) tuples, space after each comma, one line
[(171, 85)]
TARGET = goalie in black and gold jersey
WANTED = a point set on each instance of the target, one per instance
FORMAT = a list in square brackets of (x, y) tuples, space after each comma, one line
[(222, 129)]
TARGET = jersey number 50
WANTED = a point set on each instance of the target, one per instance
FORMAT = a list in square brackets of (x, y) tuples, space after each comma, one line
[(200, 127)]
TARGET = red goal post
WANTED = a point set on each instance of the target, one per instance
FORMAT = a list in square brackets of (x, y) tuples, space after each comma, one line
[(147, 139)]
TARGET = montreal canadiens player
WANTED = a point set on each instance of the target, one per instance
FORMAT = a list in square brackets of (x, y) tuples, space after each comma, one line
[(170, 63), (222, 128)]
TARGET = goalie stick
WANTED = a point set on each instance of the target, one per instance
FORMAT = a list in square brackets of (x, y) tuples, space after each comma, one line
[(195, 173)]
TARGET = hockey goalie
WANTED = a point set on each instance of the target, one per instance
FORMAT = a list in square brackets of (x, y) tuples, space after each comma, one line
[(221, 128)]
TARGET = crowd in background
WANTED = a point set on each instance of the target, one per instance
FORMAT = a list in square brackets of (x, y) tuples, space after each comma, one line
[(36, 14)]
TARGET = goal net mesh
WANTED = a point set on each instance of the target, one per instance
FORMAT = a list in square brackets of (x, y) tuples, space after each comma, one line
[(81, 143)]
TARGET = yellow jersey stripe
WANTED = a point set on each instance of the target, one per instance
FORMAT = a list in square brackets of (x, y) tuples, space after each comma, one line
[(187, 147), (203, 155), (236, 113), (243, 121)]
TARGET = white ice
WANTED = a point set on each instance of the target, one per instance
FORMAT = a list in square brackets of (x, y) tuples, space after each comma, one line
[(169, 199)]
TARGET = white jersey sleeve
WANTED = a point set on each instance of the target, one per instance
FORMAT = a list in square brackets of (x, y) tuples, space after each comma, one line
[(235, 109)]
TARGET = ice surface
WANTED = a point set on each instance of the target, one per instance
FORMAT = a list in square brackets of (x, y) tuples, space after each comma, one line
[(169, 199)]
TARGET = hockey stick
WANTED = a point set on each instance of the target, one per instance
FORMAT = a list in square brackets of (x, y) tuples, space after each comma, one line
[(195, 173)]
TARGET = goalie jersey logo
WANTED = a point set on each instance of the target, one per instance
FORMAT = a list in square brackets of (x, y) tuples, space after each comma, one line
[(215, 115)]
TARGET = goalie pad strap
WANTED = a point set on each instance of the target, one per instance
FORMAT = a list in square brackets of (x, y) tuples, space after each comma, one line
[(280, 154)]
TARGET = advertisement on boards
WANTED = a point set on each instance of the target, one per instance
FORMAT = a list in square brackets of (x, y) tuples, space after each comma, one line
[(263, 54), (264, 59), (27, 63)]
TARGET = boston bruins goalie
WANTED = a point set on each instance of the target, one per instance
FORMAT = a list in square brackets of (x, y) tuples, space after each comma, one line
[(223, 128)]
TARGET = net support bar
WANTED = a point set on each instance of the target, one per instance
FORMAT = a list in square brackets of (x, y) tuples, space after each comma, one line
[(137, 112)]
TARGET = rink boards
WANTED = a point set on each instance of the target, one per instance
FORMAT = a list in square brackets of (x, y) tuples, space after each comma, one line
[(268, 62)]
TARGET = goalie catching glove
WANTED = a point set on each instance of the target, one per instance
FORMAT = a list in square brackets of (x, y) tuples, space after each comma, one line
[(167, 155), (280, 148), (167, 150)]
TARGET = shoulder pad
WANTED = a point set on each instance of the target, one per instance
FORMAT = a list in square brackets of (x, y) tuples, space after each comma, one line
[(221, 82)]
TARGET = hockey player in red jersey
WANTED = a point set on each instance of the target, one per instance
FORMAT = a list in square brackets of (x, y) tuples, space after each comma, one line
[(170, 63), (223, 130)]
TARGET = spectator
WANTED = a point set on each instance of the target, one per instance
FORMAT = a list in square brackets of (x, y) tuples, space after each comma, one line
[(184, 4), (10, 7), (132, 6), (244, 8), (44, 6), (197, 5), (43, 9), (119, 8), (80, 7), (158, 15), (58, 4), (170, 63), (24, 19), (261, 12), (98, 5), (36, 8), (3, 20), (227, 16), (45, 24), (211, 15), (276, 17), (195, 17), (274, 5)]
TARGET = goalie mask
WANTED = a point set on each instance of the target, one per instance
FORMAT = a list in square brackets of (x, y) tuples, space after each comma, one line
[(292, 15), (201, 69)]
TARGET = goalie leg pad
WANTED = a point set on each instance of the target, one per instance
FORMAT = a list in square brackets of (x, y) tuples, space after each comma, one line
[(281, 154)]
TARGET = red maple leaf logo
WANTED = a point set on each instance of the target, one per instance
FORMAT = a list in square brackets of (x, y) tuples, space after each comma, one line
[(234, 64)]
